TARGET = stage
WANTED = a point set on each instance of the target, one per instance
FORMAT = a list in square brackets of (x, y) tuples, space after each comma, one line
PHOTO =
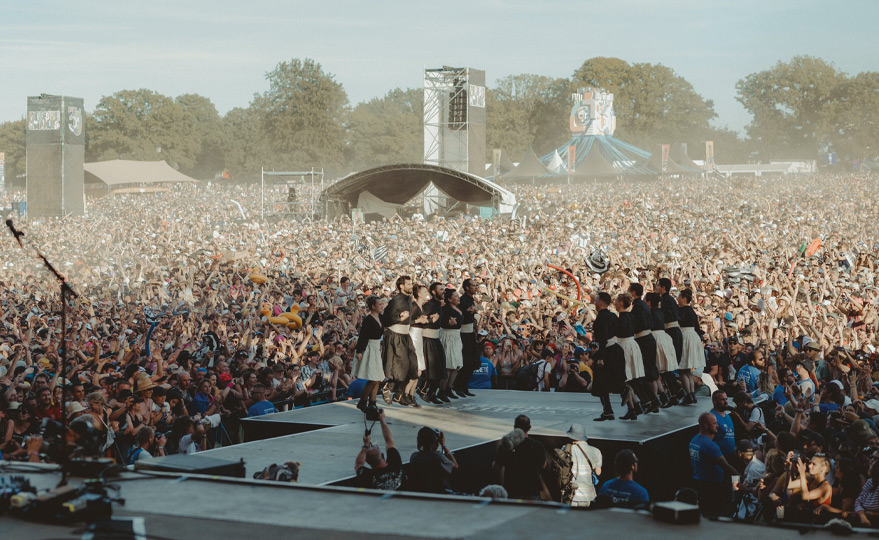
[(326, 438)]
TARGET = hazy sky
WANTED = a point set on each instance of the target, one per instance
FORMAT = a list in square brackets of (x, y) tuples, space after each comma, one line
[(222, 49)]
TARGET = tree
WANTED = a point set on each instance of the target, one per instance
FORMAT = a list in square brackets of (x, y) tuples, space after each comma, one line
[(13, 142), (142, 125), (245, 147), (525, 110), (792, 107), (303, 113), (208, 132), (653, 104), (856, 118), (387, 130)]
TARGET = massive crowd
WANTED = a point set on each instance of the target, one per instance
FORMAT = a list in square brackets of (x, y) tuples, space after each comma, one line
[(169, 332)]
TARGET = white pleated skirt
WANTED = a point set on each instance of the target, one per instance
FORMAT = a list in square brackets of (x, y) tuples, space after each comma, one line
[(634, 360), (452, 347), (666, 357), (369, 366), (415, 332), (693, 355)]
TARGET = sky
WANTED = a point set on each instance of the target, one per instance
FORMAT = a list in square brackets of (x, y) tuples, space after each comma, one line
[(222, 49)]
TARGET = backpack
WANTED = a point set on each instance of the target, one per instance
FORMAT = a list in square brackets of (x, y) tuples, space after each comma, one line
[(132, 456), (560, 466), (526, 377)]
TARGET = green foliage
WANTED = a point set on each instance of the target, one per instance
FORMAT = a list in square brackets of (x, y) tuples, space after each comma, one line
[(793, 107), (143, 125), (386, 130), (653, 104), (303, 114), (526, 110), (12, 142)]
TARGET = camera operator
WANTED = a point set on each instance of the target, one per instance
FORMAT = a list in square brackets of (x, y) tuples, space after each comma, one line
[(430, 471), (384, 472), (146, 440), (578, 375)]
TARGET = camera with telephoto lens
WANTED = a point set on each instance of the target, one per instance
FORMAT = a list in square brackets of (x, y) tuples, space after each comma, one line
[(373, 413)]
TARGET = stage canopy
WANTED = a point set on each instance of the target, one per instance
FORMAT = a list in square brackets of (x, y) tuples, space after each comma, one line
[(118, 172), (382, 189)]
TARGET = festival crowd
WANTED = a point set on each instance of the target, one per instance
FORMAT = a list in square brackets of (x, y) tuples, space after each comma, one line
[(691, 292)]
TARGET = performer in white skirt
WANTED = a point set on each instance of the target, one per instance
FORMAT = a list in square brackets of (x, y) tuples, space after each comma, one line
[(416, 332), (450, 337), (632, 352), (666, 355), (693, 353), (368, 354)]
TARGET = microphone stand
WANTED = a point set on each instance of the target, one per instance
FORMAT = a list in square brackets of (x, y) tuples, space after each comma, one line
[(66, 292)]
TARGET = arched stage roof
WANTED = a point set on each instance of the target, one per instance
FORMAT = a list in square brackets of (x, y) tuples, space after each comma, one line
[(397, 184)]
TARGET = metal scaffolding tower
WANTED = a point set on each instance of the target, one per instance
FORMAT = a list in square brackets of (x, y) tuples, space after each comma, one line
[(454, 119), (291, 194)]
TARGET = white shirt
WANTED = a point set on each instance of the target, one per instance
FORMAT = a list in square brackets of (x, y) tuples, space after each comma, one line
[(541, 376), (583, 472), (187, 445)]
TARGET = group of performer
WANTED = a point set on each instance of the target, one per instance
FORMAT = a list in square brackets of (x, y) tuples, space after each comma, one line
[(422, 341), (642, 347)]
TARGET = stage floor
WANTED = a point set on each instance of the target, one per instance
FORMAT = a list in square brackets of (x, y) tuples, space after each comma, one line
[(327, 453)]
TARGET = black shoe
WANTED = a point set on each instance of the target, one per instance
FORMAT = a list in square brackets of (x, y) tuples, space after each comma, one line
[(670, 403), (603, 417), (631, 415), (443, 396), (467, 392), (462, 393), (653, 407), (688, 400), (431, 398), (362, 405), (638, 408), (397, 397), (386, 394), (451, 393), (413, 402)]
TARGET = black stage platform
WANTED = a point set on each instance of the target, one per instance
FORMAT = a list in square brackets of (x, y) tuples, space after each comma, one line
[(326, 438)]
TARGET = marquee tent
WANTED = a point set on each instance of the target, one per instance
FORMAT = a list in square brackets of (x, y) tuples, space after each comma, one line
[(119, 172)]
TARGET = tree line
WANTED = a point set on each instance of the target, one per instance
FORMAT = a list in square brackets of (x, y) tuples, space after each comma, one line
[(800, 108)]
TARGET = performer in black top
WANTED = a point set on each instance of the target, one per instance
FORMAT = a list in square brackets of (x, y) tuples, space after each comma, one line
[(398, 353), (631, 354), (416, 332), (694, 352), (666, 357), (368, 358), (468, 339), (434, 357), (609, 368), (648, 386), (450, 337), (670, 313)]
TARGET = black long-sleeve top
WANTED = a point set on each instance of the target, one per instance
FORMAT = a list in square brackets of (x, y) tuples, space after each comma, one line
[(641, 316), (669, 308), (604, 328), (624, 325), (370, 329), (417, 312), (467, 302), (688, 319), (448, 313), (658, 319), (397, 305), (433, 307)]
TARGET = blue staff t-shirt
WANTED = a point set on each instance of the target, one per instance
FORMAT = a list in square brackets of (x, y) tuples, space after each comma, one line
[(481, 378), (750, 375), (260, 408), (726, 435), (624, 492), (703, 452)]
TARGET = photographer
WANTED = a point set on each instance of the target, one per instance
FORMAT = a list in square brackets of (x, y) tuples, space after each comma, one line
[(146, 440), (578, 375), (384, 472), (186, 436), (429, 470)]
